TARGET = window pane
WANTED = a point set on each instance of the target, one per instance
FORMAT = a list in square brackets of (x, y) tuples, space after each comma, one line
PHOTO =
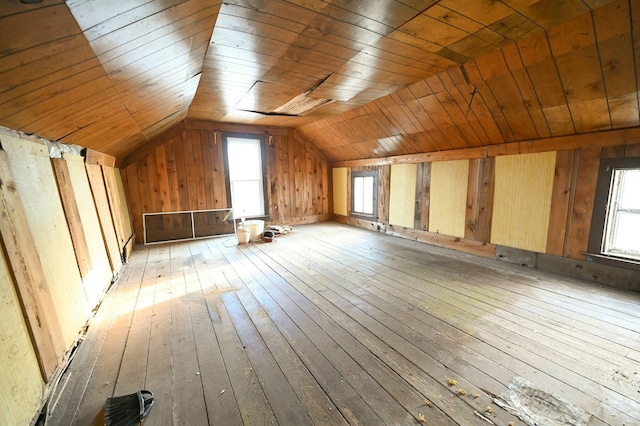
[(630, 190), (247, 198), (627, 232), (358, 189), (368, 195), (244, 159)]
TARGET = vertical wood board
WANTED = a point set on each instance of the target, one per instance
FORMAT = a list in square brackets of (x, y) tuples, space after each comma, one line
[(402, 195), (100, 274), (588, 164), (522, 200), (21, 383), (96, 181), (38, 190), (340, 191), (131, 183), (186, 171), (118, 204), (72, 214), (560, 200), (448, 205), (423, 197)]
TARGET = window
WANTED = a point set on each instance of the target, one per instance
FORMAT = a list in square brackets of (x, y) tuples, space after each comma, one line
[(245, 171), (615, 231), (364, 194), (622, 230)]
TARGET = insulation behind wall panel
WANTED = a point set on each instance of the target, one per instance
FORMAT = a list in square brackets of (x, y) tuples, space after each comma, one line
[(21, 383), (38, 190)]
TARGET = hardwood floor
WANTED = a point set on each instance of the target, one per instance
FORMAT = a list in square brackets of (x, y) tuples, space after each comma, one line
[(337, 325)]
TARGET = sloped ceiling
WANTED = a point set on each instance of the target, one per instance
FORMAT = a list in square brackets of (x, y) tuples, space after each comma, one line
[(356, 79)]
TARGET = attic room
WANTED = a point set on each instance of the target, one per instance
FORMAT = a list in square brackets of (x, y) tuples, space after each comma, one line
[(320, 212)]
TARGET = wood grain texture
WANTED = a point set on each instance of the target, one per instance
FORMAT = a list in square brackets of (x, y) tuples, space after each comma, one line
[(36, 184), (101, 201), (118, 205), (31, 282), (184, 170), (479, 199), (423, 197), (582, 211), (560, 202), (406, 78), (290, 329)]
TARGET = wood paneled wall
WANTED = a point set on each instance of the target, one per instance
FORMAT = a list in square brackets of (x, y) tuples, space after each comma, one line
[(54, 266), (563, 222), (184, 170)]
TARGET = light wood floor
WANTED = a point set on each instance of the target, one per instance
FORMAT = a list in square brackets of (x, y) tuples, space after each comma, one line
[(336, 325)]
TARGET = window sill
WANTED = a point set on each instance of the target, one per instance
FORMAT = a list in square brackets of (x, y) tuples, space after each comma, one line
[(620, 262), (266, 218), (363, 216)]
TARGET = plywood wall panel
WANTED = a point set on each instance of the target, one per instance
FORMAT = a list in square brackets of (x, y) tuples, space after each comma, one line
[(340, 182), (448, 205), (30, 279), (21, 384), (39, 192), (402, 195), (522, 200)]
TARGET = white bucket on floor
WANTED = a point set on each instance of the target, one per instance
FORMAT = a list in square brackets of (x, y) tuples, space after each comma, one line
[(243, 234), (256, 226)]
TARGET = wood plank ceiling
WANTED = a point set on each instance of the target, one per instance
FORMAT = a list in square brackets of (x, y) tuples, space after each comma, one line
[(356, 79)]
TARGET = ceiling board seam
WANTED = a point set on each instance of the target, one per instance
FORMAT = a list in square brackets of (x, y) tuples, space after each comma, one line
[(564, 90), (484, 83), (452, 89), (533, 87), (602, 76), (524, 101), (446, 92)]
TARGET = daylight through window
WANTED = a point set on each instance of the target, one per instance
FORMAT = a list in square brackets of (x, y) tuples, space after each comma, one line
[(622, 231), (245, 172), (364, 193)]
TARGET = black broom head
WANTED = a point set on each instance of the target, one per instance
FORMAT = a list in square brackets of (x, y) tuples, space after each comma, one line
[(128, 410)]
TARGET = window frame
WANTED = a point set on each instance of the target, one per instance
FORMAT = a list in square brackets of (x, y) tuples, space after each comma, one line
[(597, 235), (364, 173), (263, 162)]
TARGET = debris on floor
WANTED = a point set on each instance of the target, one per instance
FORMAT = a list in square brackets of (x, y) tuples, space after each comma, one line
[(536, 407)]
